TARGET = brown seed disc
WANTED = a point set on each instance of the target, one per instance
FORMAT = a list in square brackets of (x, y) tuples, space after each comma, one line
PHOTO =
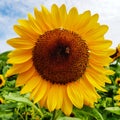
[(60, 56), (0, 81)]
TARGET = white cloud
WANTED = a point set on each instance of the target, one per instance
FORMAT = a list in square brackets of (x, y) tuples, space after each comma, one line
[(16, 9)]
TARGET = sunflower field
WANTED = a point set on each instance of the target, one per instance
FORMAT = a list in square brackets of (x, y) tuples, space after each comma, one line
[(60, 69)]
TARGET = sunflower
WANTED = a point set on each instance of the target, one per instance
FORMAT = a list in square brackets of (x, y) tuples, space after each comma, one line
[(117, 53), (117, 81), (60, 57), (2, 80)]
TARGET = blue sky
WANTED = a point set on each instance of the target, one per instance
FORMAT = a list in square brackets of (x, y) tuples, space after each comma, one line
[(12, 10)]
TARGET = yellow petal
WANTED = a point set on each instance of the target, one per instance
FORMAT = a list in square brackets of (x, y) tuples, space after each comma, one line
[(93, 82), (31, 84), (46, 19), (21, 43), (59, 99), (24, 77), (106, 52), (41, 91), (100, 45), (34, 24), (100, 78), (63, 14), (89, 93), (111, 51), (117, 97), (43, 101), (25, 33), (74, 94), (56, 15), (90, 87), (98, 32), (2, 80), (83, 21), (92, 23), (101, 69), (40, 20), (35, 90), (19, 56), (19, 68), (52, 96), (118, 91), (70, 23), (67, 104), (100, 60), (26, 24)]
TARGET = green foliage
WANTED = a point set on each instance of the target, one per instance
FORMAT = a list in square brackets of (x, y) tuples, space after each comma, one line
[(87, 113), (19, 107), (115, 110)]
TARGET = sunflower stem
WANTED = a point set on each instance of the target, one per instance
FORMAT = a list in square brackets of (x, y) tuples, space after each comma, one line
[(40, 112), (26, 117), (56, 114)]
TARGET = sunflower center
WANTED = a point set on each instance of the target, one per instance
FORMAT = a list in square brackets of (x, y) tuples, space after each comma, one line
[(60, 56), (118, 82), (0, 81)]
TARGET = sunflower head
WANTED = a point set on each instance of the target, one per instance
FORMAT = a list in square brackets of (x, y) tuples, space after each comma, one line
[(61, 52), (2, 81), (117, 81), (117, 53)]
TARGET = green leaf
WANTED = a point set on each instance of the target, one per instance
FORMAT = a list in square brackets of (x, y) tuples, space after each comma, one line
[(6, 116), (3, 56), (5, 68), (23, 100), (7, 107), (115, 110), (68, 118), (88, 112)]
